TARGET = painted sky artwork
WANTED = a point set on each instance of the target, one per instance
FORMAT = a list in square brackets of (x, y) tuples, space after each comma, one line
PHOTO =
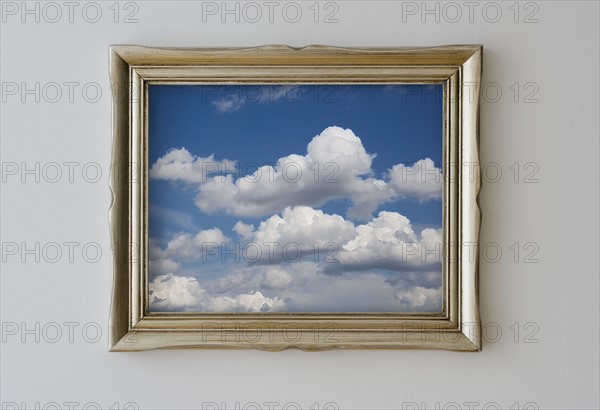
[(295, 198)]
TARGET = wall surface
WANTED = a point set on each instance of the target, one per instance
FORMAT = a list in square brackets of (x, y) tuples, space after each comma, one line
[(539, 129)]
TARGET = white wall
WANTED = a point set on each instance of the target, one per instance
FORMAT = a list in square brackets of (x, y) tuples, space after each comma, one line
[(555, 298)]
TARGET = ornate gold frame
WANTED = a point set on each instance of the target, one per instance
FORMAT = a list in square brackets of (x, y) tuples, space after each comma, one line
[(458, 327)]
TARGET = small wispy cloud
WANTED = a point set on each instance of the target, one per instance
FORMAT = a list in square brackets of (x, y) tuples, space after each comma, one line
[(229, 105), (232, 100)]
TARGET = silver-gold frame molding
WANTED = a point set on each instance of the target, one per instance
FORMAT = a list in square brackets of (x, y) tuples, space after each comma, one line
[(133, 68)]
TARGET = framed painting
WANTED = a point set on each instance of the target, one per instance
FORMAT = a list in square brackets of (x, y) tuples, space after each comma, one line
[(313, 198)]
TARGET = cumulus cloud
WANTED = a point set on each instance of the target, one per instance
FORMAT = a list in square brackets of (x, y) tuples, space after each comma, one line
[(332, 168), (299, 288), (422, 180), (418, 298), (365, 291), (247, 302), (277, 278), (183, 247), (179, 293), (243, 230), (389, 242), (302, 228), (336, 165), (181, 165), (355, 262), (188, 247), (386, 242), (170, 292), (161, 265), (361, 291), (159, 262), (384, 261)]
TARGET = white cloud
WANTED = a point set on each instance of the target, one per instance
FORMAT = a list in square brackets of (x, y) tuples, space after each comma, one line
[(163, 265), (343, 148), (246, 302), (305, 227), (333, 168), (336, 165), (277, 278), (188, 247), (422, 180), (159, 262), (234, 98), (368, 195), (297, 288), (364, 291), (228, 105), (170, 292), (183, 247), (389, 242), (361, 291), (243, 230), (179, 293), (180, 165), (418, 298), (377, 266), (386, 242)]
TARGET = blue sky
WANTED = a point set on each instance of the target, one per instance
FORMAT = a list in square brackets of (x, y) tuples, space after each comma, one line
[(393, 125)]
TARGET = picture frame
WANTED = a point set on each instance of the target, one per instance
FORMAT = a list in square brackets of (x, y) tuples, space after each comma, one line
[(133, 69)]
